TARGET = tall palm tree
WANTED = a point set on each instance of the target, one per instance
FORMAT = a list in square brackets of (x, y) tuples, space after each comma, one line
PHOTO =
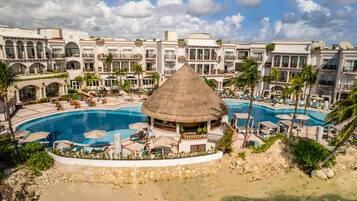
[(91, 78), (120, 73), (138, 70), (296, 85), (310, 80), (127, 88), (155, 79), (275, 76), (345, 113), (109, 60), (249, 78), (7, 78)]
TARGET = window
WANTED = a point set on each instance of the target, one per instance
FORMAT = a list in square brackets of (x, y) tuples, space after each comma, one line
[(149, 66), (350, 66), (285, 62), (258, 56), (303, 61), (74, 84), (214, 55), (198, 148), (170, 65), (277, 60), (192, 54), (207, 54), (116, 66), (284, 76), (89, 66), (329, 64), (200, 54), (347, 83), (150, 54), (113, 51), (199, 68), (294, 62), (242, 55), (206, 69), (126, 51), (125, 66), (327, 80)]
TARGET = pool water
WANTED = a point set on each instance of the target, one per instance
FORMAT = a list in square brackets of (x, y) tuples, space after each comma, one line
[(72, 125)]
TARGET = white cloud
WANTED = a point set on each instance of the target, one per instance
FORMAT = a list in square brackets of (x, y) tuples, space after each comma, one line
[(202, 7), (134, 9), (265, 21), (278, 26), (249, 3), (309, 6), (161, 3)]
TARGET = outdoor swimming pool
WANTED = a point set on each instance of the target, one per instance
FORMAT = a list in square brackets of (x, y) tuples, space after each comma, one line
[(72, 125)]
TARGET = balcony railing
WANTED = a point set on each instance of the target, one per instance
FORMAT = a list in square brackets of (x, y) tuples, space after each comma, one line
[(88, 55), (58, 56), (151, 69), (329, 67), (229, 57), (169, 57), (169, 72), (347, 87), (326, 83), (345, 70), (150, 56), (73, 55), (194, 136)]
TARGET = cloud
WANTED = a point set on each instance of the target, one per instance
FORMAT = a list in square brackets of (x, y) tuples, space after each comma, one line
[(265, 21), (162, 3), (134, 9), (203, 7), (249, 3)]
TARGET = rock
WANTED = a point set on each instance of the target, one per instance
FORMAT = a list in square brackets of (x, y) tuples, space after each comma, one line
[(329, 172), (7, 171), (319, 174)]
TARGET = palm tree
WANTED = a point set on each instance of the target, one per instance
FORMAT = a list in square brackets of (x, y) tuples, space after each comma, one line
[(310, 82), (127, 88), (91, 78), (7, 78), (109, 60), (211, 83), (296, 85), (138, 70), (275, 76), (345, 114), (155, 79), (249, 78), (120, 73)]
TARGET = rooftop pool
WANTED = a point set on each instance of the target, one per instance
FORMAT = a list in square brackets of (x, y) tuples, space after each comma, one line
[(72, 125)]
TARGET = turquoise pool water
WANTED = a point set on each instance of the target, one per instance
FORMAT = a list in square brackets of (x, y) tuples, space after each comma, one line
[(72, 125)]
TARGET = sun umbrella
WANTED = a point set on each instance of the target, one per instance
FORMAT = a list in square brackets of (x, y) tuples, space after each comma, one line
[(162, 141), (95, 134), (138, 126), (21, 134), (284, 116), (36, 136), (302, 117)]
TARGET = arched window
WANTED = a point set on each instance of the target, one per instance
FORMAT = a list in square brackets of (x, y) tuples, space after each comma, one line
[(19, 68), (36, 68), (52, 90), (20, 50), (9, 49), (30, 50), (28, 93), (39, 49), (72, 50), (73, 65)]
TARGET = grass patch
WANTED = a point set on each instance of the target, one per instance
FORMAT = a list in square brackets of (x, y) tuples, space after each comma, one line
[(268, 143), (242, 155)]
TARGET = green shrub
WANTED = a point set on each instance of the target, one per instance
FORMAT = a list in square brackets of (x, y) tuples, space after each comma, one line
[(225, 143), (242, 155), (270, 47), (44, 100), (40, 161), (32, 148), (268, 143), (2, 175), (72, 91), (308, 153)]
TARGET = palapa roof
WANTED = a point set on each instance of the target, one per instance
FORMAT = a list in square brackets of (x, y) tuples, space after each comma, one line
[(186, 98)]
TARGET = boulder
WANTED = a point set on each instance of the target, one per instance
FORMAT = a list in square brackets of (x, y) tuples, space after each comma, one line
[(329, 172), (319, 174)]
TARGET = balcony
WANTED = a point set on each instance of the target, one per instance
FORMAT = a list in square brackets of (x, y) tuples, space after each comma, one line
[(326, 83), (169, 72), (150, 56), (58, 56), (122, 56), (329, 67), (347, 87), (352, 71), (194, 136), (151, 69), (88, 55), (229, 58), (169, 57)]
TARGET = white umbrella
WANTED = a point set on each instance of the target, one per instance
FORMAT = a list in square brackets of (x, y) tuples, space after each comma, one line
[(36, 136), (95, 134), (284, 116), (138, 126)]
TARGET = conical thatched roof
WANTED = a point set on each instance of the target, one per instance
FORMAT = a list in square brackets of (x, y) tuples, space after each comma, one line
[(186, 98)]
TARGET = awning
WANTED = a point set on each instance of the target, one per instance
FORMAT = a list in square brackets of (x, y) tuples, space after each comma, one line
[(269, 124)]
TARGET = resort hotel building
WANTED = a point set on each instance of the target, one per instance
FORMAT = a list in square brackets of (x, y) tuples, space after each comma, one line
[(49, 59)]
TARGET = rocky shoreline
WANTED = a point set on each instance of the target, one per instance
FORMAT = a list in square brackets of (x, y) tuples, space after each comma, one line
[(22, 184)]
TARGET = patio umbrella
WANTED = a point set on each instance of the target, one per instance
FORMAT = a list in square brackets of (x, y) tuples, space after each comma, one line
[(284, 116), (302, 117), (138, 126), (36, 136), (162, 141), (95, 134), (21, 134)]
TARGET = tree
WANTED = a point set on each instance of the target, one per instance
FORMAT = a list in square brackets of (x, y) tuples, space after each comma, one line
[(155, 79), (127, 88), (91, 78), (138, 70), (275, 76), (120, 73), (7, 78), (211, 83), (296, 85), (109, 60), (310, 81), (345, 113), (250, 78)]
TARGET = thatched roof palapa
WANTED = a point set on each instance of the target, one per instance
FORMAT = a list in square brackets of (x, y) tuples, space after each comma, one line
[(185, 98)]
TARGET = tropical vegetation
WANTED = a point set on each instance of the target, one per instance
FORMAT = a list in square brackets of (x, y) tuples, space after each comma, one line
[(7, 78), (128, 88), (138, 70), (225, 143), (296, 86), (310, 78), (268, 143), (211, 83)]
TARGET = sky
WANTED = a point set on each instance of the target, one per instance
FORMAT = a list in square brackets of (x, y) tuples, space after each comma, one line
[(231, 20)]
